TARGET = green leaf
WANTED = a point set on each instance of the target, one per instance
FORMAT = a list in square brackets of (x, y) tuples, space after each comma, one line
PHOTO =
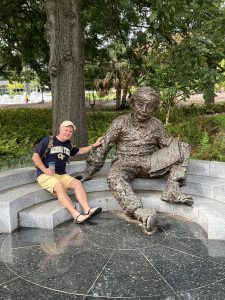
[(153, 16)]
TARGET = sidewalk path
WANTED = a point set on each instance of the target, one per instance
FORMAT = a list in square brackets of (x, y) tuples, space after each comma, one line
[(197, 99)]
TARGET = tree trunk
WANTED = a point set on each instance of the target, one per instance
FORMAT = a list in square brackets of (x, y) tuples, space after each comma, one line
[(118, 95), (209, 94), (125, 92), (118, 87), (66, 65)]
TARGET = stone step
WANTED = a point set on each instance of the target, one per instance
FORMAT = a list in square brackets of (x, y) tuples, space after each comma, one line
[(206, 168), (21, 176), (15, 199), (51, 213), (208, 213), (18, 198), (209, 187), (17, 177)]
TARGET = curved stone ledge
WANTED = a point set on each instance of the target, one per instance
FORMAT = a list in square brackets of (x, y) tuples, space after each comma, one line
[(17, 177), (24, 203), (205, 212)]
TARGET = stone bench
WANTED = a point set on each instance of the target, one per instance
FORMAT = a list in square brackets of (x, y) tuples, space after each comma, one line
[(24, 203)]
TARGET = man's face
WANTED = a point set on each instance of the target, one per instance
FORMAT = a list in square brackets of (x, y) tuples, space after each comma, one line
[(143, 109), (66, 132)]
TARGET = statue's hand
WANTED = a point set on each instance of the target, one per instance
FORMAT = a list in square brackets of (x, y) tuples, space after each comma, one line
[(82, 176)]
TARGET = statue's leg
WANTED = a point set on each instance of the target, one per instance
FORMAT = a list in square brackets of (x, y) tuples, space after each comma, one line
[(119, 179), (176, 179)]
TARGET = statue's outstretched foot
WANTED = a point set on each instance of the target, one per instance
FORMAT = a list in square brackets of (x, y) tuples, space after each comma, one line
[(173, 194), (147, 216), (182, 199)]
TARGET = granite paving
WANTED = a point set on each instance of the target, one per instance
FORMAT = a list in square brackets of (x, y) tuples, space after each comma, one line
[(112, 257)]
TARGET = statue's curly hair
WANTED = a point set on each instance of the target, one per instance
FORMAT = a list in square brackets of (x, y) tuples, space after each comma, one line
[(148, 93)]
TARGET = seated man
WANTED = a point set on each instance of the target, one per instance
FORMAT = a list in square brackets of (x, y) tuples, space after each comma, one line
[(50, 157), (143, 149)]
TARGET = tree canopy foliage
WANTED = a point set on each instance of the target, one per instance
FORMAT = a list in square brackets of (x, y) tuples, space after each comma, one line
[(175, 45), (24, 52), (188, 47)]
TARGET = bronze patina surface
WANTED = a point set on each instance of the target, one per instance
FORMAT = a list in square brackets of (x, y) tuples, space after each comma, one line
[(143, 149)]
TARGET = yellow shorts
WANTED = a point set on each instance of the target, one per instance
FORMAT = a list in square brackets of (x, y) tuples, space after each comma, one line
[(47, 182)]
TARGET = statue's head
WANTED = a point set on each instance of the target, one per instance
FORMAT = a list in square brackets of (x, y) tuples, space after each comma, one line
[(144, 101)]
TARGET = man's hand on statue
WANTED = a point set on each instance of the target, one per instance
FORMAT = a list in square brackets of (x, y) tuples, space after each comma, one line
[(82, 176), (98, 142)]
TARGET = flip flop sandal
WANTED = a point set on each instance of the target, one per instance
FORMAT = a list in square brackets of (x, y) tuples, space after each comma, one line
[(80, 222), (95, 212)]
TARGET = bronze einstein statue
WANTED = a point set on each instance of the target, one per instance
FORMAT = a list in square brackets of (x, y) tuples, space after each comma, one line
[(143, 149)]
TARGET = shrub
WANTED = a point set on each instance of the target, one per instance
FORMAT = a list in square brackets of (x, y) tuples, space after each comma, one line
[(21, 129), (98, 122), (211, 149)]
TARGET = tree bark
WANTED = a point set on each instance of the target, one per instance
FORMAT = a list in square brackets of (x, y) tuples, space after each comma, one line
[(118, 95), (66, 65), (209, 94), (126, 86), (118, 91)]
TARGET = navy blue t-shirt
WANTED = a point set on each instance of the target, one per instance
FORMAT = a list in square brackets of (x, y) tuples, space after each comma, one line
[(59, 154)]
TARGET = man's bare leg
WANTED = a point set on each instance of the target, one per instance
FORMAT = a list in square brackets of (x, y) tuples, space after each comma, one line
[(81, 196), (65, 200)]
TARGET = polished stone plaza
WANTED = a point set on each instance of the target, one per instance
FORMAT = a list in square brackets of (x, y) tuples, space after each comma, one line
[(110, 258)]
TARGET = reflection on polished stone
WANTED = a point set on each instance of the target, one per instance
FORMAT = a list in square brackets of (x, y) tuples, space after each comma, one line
[(110, 258)]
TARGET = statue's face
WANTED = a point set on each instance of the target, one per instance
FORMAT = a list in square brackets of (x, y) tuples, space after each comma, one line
[(143, 109)]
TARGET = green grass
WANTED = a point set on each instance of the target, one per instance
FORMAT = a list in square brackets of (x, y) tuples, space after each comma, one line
[(221, 119)]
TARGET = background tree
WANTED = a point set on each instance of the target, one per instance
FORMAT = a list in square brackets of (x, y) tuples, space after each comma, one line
[(24, 51), (175, 45), (108, 36), (117, 73), (24, 54), (186, 48), (66, 64)]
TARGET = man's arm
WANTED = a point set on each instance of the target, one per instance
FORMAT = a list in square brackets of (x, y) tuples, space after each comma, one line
[(38, 154), (86, 149), (38, 162), (96, 159)]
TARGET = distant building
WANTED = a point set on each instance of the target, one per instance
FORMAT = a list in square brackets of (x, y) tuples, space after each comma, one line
[(3, 87)]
